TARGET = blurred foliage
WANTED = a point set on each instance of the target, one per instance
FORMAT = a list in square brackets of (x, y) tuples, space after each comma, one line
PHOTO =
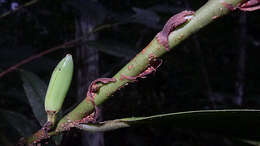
[(180, 84)]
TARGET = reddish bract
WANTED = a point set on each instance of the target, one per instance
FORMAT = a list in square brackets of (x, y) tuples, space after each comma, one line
[(154, 63), (250, 5), (94, 87), (171, 25)]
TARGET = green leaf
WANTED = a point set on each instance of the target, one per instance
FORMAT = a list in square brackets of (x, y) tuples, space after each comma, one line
[(251, 142), (35, 90), (232, 122), (18, 122)]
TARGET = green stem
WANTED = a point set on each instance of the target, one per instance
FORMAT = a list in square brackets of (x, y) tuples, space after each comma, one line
[(206, 14), (209, 12)]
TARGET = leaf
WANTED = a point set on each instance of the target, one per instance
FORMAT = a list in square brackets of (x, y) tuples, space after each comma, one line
[(19, 122), (35, 90), (251, 142), (233, 122)]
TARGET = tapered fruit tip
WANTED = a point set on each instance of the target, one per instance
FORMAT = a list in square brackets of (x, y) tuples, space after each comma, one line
[(68, 58)]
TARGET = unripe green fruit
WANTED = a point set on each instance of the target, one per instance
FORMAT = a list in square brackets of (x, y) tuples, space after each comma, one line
[(58, 87)]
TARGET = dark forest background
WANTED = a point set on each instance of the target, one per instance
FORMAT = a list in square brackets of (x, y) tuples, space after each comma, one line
[(216, 68)]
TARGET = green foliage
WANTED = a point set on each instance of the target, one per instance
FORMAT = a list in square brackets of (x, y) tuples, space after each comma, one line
[(35, 90)]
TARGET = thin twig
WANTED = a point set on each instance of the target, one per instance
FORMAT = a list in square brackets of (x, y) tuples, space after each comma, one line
[(33, 57), (68, 44), (19, 8)]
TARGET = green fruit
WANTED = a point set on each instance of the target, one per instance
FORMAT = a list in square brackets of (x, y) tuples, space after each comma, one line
[(58, 87)]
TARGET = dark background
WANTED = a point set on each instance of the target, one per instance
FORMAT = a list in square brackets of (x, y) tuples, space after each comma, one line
[(216, 68)]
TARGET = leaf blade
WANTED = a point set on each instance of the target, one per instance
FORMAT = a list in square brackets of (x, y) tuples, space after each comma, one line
[(35, 90), (235, 122)]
